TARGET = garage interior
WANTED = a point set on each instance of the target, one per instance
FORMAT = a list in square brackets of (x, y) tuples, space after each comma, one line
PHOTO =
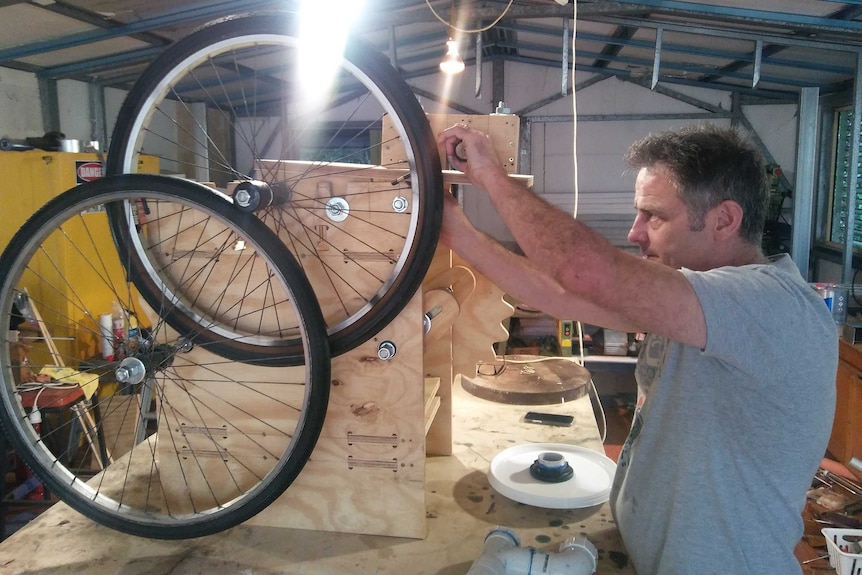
[(424, 394)]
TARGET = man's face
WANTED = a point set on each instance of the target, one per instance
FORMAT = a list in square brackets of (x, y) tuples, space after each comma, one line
[(662, 228)]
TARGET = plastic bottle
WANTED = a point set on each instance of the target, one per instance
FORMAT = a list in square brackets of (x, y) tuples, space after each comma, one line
[(133, 336), (119, 328), (28, 486)]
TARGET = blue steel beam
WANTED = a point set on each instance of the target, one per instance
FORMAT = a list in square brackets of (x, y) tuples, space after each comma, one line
[(406, 43), (681, 49), (94, 65), (783, 95), (763, 16), (711, 29), (211, 10), (666, 65), (203, 11)]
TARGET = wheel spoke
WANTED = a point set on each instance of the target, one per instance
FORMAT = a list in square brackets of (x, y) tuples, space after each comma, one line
[(189, 439), (226, 106)]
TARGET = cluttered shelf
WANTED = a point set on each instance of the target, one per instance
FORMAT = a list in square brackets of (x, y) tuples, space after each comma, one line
[(535, 333), (834, 504)]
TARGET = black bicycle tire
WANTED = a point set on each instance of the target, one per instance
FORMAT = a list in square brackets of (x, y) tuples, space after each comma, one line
[(407, 110), (285, 354), (317, 354)]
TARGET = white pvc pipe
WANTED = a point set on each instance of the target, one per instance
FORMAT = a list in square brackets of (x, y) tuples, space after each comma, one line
[(503, 555)]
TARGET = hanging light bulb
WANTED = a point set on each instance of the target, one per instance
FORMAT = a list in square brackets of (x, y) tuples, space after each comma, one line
[(452, 62)]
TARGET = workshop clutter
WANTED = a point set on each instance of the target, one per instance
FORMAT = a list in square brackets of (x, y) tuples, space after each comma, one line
[(120, 333), (845, 550)]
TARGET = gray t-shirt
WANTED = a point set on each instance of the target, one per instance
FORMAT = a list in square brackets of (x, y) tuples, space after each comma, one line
[(725, 440)]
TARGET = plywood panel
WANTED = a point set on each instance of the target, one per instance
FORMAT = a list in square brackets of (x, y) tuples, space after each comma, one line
[(367, 473), (504, 130), (221, 428), (213, 265), (479, 325), (345, 259)]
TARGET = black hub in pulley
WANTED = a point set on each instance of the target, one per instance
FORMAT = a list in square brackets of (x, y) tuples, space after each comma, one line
[(252, 195)]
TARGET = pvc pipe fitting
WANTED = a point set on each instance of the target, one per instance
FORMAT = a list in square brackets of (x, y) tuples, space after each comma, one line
[(503, 555)]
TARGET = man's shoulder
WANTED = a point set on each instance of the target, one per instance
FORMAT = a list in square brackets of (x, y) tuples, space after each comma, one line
[(781, 266)]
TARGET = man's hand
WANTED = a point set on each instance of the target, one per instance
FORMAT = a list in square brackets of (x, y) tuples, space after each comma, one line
[(471, 152)]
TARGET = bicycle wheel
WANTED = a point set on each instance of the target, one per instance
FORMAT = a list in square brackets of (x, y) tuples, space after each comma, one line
[(175, 441), (348, 177)]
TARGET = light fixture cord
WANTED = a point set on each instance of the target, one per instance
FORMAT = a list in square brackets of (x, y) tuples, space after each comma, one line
[(466, 31)]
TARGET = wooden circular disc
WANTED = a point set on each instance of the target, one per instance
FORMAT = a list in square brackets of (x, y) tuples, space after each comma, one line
[(528, 380)]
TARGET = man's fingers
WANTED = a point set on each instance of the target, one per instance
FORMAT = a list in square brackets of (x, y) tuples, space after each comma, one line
[(453, 133), (460, 151), (456, 140)]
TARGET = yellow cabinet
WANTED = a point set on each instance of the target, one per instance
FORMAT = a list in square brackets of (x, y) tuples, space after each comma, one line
[(31, 179)]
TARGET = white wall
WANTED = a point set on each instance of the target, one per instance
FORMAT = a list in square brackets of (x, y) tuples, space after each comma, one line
[(777, 126), (600, 144), (605, 188), (74, 110), (20, 111), (113, 101)]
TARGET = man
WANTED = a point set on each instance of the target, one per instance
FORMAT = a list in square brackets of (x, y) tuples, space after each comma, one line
[(736, 377)]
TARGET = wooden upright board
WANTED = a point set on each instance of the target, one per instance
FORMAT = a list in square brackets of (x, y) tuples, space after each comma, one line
[(367, 473)]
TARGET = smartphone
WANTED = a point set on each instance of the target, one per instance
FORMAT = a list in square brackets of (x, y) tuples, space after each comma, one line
[(549, 418)]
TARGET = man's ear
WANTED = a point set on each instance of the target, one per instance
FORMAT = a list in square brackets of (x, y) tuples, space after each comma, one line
[(727, 219)]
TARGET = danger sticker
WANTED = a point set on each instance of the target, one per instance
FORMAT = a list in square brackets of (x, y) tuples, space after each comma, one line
[(87, 171)]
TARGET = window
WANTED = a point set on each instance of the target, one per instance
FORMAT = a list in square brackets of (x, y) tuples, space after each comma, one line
[(841, 183), (339, 144)]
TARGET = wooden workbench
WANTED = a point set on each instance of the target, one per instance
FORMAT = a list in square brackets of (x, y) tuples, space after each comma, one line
[(461, 509)]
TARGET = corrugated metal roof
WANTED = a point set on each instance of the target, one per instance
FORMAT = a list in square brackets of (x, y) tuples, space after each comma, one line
[(769, 48)]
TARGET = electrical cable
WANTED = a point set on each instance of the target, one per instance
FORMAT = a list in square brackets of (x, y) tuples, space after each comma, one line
[(601, 410), (582, 354), (506, 361), (34, 385), (468, 31), (41, 386), (35, 416), (581, 359)]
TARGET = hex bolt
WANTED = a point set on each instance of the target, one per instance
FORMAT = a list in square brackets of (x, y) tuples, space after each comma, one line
[(242, 198), (184, 345), (400, 204), (131, 371), (386, 350), (337, 209)]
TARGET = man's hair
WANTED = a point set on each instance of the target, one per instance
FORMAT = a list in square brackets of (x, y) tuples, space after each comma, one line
[(709, 165)]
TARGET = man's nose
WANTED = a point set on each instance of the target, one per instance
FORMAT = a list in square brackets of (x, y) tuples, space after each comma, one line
[(637, 233)]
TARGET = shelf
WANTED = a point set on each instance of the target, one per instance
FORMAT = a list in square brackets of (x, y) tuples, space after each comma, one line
[(432, 400)]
